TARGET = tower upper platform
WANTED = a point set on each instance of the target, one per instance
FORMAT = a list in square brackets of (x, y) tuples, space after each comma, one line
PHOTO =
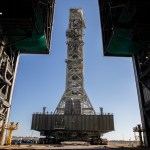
[(77, 12)]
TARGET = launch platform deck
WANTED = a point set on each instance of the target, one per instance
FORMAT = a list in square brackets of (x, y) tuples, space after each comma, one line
[(92, 123)]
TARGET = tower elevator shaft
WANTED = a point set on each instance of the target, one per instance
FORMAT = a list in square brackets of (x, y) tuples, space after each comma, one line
[(75, 99)]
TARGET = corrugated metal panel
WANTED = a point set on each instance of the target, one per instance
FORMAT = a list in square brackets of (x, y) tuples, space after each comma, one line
[(33, 122), (37, 122), (87, 123), (107, 123), (112, 123), (83, 122), (91, 122), (70, 122), (56, 121), (46, 122), (79, 125), (100, 122), (52, 122), (96, 122), (43, 122), (40, 122), (74, 122), (66, 121), (103, 123)]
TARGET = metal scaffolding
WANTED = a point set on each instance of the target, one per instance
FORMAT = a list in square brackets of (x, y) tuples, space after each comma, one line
[(141, 64), (8, 68), (75, 99)]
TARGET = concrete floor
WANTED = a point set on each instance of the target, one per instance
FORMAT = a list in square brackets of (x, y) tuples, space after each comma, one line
[(76, 145)]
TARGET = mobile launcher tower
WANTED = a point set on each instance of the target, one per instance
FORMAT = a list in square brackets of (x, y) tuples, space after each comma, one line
[(74, 117)]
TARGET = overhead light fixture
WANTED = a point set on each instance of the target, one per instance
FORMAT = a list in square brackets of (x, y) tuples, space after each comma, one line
[(1, 13)]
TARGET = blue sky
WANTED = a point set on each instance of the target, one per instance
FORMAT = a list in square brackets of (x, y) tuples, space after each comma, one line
[(109, 81)]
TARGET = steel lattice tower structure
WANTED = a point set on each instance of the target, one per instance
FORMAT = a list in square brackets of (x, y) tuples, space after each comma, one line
[(75, 99)]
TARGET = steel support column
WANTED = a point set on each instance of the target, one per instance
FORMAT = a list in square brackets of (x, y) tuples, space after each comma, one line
[(137, 64), (8, 68)]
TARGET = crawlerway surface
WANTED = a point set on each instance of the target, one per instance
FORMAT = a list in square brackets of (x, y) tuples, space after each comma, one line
[(78, 146)]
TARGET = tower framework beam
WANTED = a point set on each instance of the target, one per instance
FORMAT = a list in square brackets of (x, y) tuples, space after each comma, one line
[(75, 99)]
